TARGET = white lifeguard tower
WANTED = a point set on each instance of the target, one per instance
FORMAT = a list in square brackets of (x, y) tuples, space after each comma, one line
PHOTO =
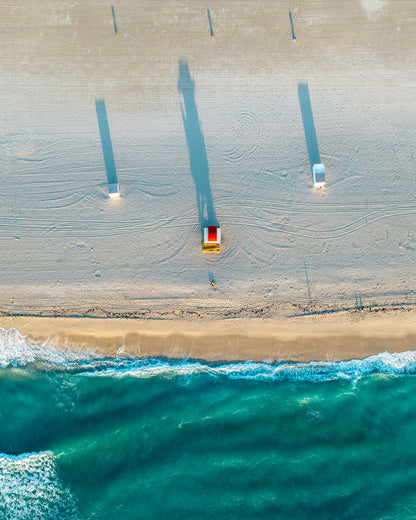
[(211, 239), (113, 190), (318, 175)]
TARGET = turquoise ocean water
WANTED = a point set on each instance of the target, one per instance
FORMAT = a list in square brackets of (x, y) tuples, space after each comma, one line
[(162, 439)]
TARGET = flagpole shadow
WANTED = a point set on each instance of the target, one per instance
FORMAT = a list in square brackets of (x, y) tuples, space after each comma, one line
[(106, 144), (308, 124)]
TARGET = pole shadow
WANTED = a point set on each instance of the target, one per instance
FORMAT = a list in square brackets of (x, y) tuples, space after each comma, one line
[(196, 145), (106, 141), (292, 26), (308, 124), (114, 20), (211, 30)]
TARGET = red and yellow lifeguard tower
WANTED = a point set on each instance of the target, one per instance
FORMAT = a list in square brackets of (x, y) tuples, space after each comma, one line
[(211, 239)]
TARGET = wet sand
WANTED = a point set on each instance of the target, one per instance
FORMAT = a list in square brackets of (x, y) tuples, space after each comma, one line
[(335, 337)]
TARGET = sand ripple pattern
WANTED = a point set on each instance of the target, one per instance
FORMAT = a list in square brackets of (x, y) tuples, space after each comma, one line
[(244, 137), (272, 216)]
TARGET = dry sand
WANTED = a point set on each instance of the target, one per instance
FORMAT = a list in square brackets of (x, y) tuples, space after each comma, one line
[(197, 130)]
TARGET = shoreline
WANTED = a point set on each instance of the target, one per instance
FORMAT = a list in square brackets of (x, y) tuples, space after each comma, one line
[(325, 337)]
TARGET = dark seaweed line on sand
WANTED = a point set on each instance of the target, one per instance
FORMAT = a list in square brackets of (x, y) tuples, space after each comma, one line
[(266, 311)]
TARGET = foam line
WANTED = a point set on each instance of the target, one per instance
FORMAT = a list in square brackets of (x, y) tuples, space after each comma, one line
[(385, 363), (17, 350)]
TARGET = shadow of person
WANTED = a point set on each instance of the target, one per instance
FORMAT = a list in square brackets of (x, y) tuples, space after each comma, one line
[(196, 145)]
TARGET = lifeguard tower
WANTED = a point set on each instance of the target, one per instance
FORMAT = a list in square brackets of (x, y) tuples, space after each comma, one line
[(211, 239), (318, 175), (113, 190)]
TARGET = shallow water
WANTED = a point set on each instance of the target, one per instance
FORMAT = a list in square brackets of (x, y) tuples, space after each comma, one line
[(131, 439)]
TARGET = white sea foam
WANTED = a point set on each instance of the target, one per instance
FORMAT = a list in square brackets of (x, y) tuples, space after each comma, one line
[(399, 364), (30, 489), (16, 350)]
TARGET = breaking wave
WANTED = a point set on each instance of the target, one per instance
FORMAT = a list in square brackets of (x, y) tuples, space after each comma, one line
[(18, 351), (30, 489)]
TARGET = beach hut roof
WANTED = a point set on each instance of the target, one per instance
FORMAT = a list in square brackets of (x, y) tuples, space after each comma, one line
[(212, 234)]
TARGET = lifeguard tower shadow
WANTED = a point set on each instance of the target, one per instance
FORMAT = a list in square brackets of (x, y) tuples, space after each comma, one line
[(308, 124), (196, 145), (106, 144)]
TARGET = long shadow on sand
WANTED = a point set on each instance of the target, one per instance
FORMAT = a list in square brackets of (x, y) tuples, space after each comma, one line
[(308, 124), (114, 20), (197, 152), (106, 141)]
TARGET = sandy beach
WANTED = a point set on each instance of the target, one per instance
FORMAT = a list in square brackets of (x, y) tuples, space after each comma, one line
[(333, 337), (209, 114)]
